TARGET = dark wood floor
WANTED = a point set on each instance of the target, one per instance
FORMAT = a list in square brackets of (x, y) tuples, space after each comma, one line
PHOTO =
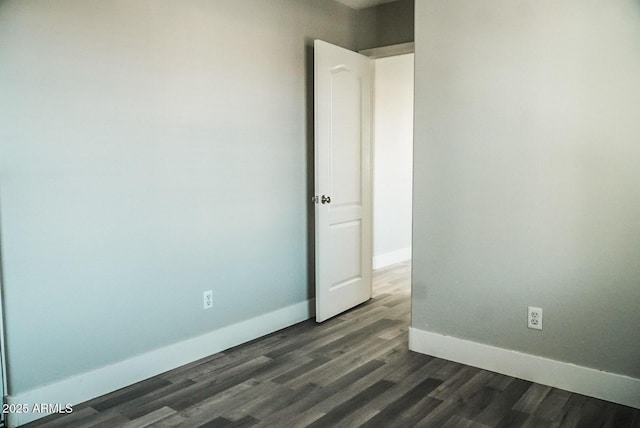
[(354, 370)]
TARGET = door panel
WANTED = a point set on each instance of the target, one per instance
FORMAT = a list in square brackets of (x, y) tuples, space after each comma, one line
[(345, 239), (343, 87), (345, 138)]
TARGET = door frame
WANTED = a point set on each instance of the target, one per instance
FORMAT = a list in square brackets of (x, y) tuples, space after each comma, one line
[(373, 53)]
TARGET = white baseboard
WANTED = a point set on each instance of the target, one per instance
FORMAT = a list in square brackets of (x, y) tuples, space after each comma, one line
[(391, 258), (583, 380), (86, 386)]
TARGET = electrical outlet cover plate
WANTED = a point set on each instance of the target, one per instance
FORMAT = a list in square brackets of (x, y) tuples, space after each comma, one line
[(208, 299), (534, 318)]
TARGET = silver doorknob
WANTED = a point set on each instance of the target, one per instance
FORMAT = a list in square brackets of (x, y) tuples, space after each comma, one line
[(326, 199)]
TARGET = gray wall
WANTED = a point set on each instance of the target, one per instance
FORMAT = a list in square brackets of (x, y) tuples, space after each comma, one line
[(386, 24), (527, 186), (151, 150)]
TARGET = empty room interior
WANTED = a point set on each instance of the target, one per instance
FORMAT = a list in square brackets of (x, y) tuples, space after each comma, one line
[(162, 256)]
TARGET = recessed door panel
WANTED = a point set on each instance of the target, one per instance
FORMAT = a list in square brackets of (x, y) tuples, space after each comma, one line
[(345, 249), (345, 138)]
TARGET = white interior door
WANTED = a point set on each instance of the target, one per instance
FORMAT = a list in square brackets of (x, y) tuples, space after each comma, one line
[(343, 210)]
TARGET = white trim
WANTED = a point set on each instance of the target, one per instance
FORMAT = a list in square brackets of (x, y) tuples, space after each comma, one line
[(391, 50), (98, 382), (390, 258), (583, 380)]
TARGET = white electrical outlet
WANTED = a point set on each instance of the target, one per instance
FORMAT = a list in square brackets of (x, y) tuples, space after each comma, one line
[(208, 299), (534, 318)]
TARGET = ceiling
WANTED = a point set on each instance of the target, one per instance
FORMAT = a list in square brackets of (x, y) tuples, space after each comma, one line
[(361, 4)]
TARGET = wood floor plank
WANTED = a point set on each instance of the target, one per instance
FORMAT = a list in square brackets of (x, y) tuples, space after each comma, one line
[(626, 416), (170, 422), (79, 418), (413, 415), (341, 366), (151, 401), (150, 418), (500, 381), (199, 391), (251, 401), (277, 398), (210, 408), (476, 403), (207, 366), (572, 411), (301, 370), (388, 371), (402, 404), (457, 421), (112, 420), (503, 403), (317, 340), (531, 399), (319, 394), (127, 394), (352, 370), (402, 384), (354, 338), (340, 410), (414, 366), (513, 419), (244, 422), (552, 404), (218, 422), (592, 414), (451, 385)]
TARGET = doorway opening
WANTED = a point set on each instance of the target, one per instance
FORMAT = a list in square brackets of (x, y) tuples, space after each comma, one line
[(355, 161), (392, 173)]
